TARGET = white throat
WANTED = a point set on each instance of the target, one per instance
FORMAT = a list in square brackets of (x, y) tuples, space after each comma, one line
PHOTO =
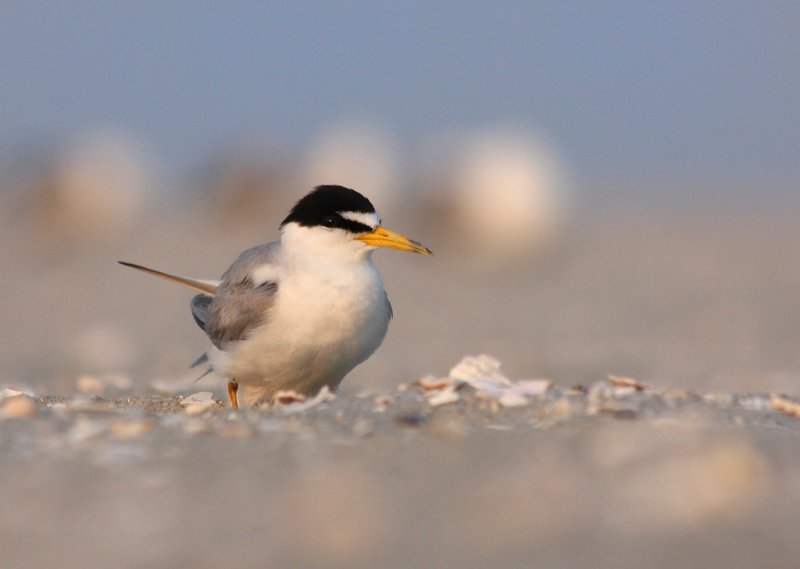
[(322, 246)]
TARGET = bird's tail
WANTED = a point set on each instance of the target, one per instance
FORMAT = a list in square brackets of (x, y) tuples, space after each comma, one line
[(206, 287), (200, 361)]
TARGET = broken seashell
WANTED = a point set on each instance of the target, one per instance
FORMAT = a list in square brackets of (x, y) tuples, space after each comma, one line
[(197, 403), (198, 398), (533, 387), (482, 373), (786, 406), (626, 382), (511, 398), (287, 397), (293, 402), (7, 393), (433, 384), (483, 367), (560, 408), (444, 397)]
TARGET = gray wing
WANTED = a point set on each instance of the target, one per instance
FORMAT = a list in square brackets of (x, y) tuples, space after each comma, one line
[(388, 305), (238, 305), (200, 304)]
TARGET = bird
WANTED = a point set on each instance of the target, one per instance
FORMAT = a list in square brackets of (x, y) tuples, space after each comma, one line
[(299, 313)]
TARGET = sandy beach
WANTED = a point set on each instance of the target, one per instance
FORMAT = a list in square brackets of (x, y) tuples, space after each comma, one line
[(693, 464)]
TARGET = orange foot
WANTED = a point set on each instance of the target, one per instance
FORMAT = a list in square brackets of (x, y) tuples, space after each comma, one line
[(233, 388)]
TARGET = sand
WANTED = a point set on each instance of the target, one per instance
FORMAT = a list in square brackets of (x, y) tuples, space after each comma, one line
[(695, 464)]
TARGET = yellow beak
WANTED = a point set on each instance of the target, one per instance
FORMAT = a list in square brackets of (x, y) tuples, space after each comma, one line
[(382, 237)]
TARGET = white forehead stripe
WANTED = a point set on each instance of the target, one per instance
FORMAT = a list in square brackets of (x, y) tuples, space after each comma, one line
[(370, 219)]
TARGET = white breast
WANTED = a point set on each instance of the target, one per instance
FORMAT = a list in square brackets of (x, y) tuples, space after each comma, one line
[(322, 325)]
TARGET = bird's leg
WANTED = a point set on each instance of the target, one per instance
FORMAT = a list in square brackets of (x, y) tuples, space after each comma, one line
[(233, 388)]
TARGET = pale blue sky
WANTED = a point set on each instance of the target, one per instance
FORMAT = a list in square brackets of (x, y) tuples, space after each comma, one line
[(655, 94)]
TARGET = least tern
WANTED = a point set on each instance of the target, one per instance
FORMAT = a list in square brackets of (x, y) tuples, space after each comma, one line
[(301, 312)]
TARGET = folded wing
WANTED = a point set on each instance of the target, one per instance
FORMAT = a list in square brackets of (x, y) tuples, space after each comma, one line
[(239, 304)]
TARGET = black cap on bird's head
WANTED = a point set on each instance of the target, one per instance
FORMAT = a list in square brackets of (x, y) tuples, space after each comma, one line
[(337, 207), (323, 206)]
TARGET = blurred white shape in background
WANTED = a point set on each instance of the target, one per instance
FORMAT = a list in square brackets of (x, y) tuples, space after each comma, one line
[(245, 184), (96, 186), (358, 155), (499, 194)]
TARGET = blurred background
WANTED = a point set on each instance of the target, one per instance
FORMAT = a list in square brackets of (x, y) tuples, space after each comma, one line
[(608, 188)]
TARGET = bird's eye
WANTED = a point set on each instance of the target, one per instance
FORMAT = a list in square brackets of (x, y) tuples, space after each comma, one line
[(328, 221)]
